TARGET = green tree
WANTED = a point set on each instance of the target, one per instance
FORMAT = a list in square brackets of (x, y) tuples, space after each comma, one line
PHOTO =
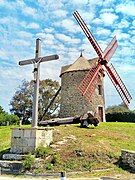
[(22, 101), (6, 118), (1, 110), (117, 108)]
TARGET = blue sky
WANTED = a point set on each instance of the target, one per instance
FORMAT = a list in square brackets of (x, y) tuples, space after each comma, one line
[(22, 21)]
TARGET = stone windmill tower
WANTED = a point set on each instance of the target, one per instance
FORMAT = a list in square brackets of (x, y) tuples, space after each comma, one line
[(72, 102)]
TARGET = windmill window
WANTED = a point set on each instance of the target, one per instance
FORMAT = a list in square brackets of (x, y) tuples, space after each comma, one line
[(100, 89)]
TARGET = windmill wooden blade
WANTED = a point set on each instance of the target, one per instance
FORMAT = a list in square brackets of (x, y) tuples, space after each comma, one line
[(119, 85), (88, 34), (110, 49), (92, 87), (90, 79)]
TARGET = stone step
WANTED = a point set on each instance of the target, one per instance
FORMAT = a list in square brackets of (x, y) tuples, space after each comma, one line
[(11, 165), (11, 156)]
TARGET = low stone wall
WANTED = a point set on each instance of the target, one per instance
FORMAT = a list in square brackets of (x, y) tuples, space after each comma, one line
[(128, 158), (26, 140)]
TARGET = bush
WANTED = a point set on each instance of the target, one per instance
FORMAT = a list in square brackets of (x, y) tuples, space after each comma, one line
[(12, 119), (120, 117), (8, 118), (42, 151), (2, 119), (28, 162), (55, 159)]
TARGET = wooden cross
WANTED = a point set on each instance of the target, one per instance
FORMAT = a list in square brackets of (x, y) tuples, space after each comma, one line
[(36, 61)]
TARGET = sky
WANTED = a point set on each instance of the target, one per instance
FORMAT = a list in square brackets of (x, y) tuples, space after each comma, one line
[(23, 21)]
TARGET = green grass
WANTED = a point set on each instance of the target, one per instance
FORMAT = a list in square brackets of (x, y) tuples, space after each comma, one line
[(97, 147), (5, 137), (83, 149)]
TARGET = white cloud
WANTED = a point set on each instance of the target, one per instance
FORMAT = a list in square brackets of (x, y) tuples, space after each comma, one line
[(29, 11), (124, 36), (50, 5), (132, 32), (132, 39), (60, 13), (40, 35), (87, 16), (79, 2), (49, 30), (32, 26), (68, 25), (125, 51), (9, 20), (108, 2), (67, 39), (104, 32), (49, 37), (3, 54), (95, 3), (128, 8), (97, 21), (21, 42), (24, 34), (123, 24), (52, 21), (133, 22), (5, 4), (108, 18), (120, 35), (107, 10)]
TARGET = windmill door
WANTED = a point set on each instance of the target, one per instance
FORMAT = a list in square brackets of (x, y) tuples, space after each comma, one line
[(100, 113)]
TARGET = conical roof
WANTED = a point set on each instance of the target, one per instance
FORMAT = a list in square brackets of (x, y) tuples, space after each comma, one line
[(80, 64)]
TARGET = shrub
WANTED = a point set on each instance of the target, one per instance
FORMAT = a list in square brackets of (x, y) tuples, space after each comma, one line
[(28, 162), (42, 151), (11, 118), (49, 166), (55, 159), (120, 117)]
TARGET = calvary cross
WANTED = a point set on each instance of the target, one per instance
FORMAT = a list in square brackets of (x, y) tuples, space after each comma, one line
[(36, 72)]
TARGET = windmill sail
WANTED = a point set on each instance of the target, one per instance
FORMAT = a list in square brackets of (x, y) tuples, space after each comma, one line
[(110, 49), (88, 80), (118, 83), (88, 34)]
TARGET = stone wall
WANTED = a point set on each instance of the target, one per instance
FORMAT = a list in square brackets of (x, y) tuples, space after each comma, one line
[(72, 102), (26, 140), (128, 159)]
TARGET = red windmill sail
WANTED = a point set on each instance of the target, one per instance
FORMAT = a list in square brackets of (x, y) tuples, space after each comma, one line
[(91, 79)]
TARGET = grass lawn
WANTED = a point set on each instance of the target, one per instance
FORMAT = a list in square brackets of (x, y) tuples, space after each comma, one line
[(5, 138), (83, 149)]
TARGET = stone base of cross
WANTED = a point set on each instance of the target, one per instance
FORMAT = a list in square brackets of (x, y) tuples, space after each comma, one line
[(36, 61)]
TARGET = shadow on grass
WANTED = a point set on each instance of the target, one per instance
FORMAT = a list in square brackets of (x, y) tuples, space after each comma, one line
[(5, 151), (89, 127), (124, 166)]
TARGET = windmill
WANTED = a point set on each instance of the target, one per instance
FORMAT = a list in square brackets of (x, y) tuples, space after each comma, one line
[(91, 79)]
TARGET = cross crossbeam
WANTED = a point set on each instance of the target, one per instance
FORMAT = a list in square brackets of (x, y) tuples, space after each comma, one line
[(36, 61)]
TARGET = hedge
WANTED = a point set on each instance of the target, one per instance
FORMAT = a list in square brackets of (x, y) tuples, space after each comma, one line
[(120, 117)]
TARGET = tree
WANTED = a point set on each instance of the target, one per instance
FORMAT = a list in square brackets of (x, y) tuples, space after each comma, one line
[(6, 118), (119, 113), (22, 101), (1, 110), (117, 108)]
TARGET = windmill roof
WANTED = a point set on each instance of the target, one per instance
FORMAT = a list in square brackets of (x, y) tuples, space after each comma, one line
[(80, 64)]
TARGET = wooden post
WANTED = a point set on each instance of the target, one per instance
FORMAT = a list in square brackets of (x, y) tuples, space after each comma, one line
[(36, 84), (63, 176)]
